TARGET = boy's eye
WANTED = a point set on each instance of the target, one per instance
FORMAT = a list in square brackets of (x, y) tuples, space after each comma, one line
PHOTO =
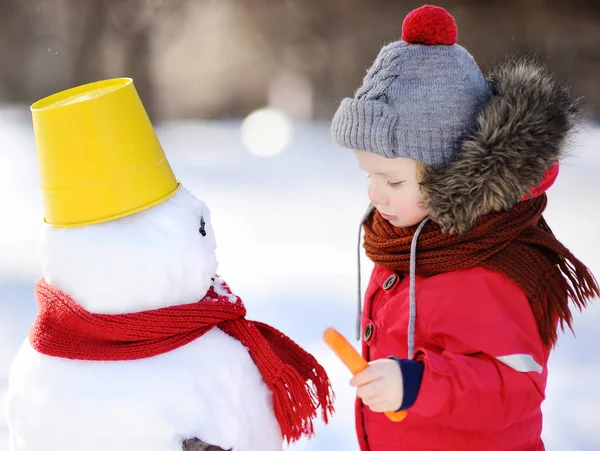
[(395, 184)]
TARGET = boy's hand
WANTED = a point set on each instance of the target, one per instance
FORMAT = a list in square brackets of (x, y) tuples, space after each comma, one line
[(380, 386)]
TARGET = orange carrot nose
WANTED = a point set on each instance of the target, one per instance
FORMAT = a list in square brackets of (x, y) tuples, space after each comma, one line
[(353, 361)]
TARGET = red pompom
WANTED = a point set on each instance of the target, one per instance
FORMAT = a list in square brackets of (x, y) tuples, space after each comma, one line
[(430, 25)]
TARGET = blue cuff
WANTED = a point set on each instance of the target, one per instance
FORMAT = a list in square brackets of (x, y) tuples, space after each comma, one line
[(412, 374)]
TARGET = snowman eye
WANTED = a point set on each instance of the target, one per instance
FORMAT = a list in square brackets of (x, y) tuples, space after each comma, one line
[(202, 224)]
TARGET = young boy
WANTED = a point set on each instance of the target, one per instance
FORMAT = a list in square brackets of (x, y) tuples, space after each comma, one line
[(469, 284)]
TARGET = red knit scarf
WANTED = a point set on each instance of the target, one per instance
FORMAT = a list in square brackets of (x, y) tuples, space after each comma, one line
[(518, 244), (298, 382)]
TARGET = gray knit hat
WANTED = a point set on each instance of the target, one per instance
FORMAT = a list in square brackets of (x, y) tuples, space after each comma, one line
[(421, 96)]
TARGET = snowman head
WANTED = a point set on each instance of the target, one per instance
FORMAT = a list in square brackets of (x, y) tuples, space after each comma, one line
[(161, 256), (121, 234)]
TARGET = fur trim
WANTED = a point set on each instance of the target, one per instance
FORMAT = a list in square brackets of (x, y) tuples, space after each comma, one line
[(520, 133)]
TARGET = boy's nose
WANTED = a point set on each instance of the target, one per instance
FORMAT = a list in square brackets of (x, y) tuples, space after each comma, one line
[(376, 195)]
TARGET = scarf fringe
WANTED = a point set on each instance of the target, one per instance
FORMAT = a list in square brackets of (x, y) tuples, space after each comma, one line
[(299, 384), (570, 280), (303, 383), (290, 389), (578, 284)]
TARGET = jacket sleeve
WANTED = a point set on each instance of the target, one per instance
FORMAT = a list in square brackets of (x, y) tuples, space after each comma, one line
[(489, 369)]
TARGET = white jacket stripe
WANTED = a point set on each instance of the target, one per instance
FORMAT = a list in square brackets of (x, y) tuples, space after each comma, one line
[(523, 363)]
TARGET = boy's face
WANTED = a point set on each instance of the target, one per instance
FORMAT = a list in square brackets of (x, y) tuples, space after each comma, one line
[(394, 188)]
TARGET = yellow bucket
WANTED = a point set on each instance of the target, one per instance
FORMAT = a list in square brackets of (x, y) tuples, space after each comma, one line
[(99, 156)]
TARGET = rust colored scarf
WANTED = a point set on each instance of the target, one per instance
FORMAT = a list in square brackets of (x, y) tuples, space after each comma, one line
[(518, 244), (299, 384)]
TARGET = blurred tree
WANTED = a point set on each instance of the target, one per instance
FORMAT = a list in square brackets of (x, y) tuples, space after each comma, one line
[(88, 34), (334, 42), (129, 24), (15, 38), (223, 58)]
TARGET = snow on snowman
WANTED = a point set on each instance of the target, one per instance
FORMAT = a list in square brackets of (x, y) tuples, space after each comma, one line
[(138, 344)]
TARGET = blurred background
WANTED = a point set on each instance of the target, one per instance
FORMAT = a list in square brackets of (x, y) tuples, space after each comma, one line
[(241, 93), (223, 58)]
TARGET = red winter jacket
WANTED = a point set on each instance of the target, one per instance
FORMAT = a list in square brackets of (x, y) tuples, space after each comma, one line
[(484, 363)]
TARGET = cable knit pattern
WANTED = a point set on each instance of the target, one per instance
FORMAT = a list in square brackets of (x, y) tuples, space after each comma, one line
[(416, 101), (384, 71)]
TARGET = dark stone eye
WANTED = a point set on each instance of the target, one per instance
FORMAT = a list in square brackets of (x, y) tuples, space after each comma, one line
[(202, 224)]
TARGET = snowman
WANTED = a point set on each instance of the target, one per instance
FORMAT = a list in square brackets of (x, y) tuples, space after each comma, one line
[(138, 344)]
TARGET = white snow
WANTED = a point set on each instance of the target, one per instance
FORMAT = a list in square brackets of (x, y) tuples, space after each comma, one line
[(286, 229), (208, 389), (145, 261), (219, 288)]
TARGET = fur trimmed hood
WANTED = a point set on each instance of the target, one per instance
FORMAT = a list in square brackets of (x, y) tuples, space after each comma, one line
[(521, 132)]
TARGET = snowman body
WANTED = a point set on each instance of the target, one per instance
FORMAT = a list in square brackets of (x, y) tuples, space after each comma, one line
[(209, 388)]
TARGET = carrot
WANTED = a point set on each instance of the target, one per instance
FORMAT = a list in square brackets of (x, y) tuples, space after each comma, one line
[(353, 361)]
